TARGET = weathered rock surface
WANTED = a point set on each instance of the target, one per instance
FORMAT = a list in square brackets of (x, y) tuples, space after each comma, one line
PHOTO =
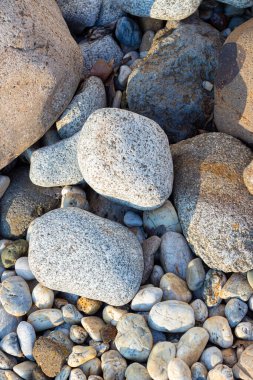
[(167, 85), (39, 74), (105, 263), (213, 205), (244, 369), (234, 84), (248, 177), (23, 202), (126, 157)]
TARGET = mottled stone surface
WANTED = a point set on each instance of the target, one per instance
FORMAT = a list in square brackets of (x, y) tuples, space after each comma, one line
[(248, 177), (39, 74), (105, 263), (213, 205)]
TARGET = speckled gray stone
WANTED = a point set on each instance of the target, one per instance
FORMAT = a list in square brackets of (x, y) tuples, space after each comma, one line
[(219, 331), (106, 261), (237, 286), (23, 202), (110, 11), (161, 9), (212, 202), (235, 311), (8, 323), (15, 296), (134, 339), (126, 157), (104, 48), (80, 14), (90, 98), (175, 254), (239, 3), (56, 165)]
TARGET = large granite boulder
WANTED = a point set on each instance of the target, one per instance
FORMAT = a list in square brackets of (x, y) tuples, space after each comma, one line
[(41, 66), (214, 207), (167, 86), (233, 112), (74, 251)]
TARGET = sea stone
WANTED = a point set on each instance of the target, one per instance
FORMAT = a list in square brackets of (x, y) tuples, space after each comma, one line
[(212, 202), (244, 369), (15, 296), (233, 84), (137, 371), (219, 331), (211, 357), (159, 359), (126, 157), (56, 165), (26, 336), (160, 9), (174, 288), (105, 263), (170, 76), (237, 286), (23, 202), (40, 72), (248, 177), (113, 365), (178, 370), (192, 344), (91, 97), (8, 323)]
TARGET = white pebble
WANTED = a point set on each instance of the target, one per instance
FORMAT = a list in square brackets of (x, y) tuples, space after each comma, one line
[(178, 370), (25, 369), (131, 219), (43, 297), (207, 85), (124, 73), (77, 374), (211, 357), (146, 298), (27, 336), (23, 270)]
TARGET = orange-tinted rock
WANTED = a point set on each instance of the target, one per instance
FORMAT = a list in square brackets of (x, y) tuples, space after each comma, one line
[(40, 70), (233, 113), (248, 177)]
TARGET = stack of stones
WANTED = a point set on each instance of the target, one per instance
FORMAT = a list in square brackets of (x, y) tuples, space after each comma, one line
[(126, 189)]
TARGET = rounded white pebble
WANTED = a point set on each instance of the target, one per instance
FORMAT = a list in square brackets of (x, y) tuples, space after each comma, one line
[(25, 369), (23, 270), (211, 357), (178, 370), (26, 336), (77, 374), (208, 86), (42, 297), (146, 298)]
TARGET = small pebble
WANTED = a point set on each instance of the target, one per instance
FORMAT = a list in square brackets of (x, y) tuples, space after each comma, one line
[(112, 314), (77, 374), (25, 369), (208, 86), (10, 345), (235, 311), (26, 336), (117, 99), (92, 367), (213, 284), (199, 371), (71, 315), (123, 75), (93, 325), (88, 306), (74, 196), (192, 344), (64, 374), (244, 330), (159, 359), (15, 296), (43, 297), (14, 251), (211, 357), (128, 32), (131, 219), (200, 310), (113, 365), (178, 370), (7, 361), (77, 334), (221, 372), (23, 270), (156, 275), (174, 288), (137, 371), (195, 274), (45, 319), (219, 331), (164, 216), (81, 355), (146, 298)]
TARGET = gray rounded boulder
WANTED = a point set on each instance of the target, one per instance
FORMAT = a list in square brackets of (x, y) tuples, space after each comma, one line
[(74, 251), (126, 157), (41, 66), (214, 206)]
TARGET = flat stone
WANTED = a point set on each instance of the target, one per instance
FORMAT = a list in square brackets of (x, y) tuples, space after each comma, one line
[(248, 177), (200, 310), (192, 344), (243, 369), (91, 97), (233, 97), (195, 274), (237, 286), (159, 359), (42, 297), (220, 372), (93, 326), (15, 296), (25, 369), (81, 355), (207, 174), (13, 252), (235, 311), (211, 357), (174, 288), (23, 202), (10, 345), (36, 84), (56, 165), (135, 144), (26, 336), (23, 270), (134, 339), (112, 280), (178, 370), (146, 298), (171, 316), (219, 331), (8, 323), (50, 356), (45, 319), (137, 371), (178, 58), (104, 48), (113, 365), (175, 254)]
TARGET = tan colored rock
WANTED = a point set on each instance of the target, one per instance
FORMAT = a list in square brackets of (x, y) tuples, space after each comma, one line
[(192, 344), (40, 70), (174, 288), (244, 368), (88, 306), (248, 177), (233, 113), (219, 331), (159, 359)]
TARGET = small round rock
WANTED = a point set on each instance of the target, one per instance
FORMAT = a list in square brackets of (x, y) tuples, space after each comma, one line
[(192, 344), (113, 365), (146, 298), (195, 274), (137, 371), (88, 306), (25, 369), (131, 219), (219, 331), (112, 314), (199, 371), (15, 296), (211, 357), (178, 370), (200, 310), (43, 297), (23, 270), (235, 311), (78, 334), (174, 288), (77, 374), (93, 325), (81, 355), (159, 359), (27, 337), (221, 372)]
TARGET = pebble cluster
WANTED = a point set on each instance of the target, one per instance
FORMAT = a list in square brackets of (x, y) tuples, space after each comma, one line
[(126, 182)]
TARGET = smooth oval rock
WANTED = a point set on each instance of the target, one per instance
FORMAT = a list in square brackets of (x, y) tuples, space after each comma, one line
[(112, 255), (208, 172), (137, 371), (113, 365), (81, 355), (134, 339), (42, 297), (23, 270), (200, 310), (134, 145), (159, 359), (77, 374), (15, 296), (26, 336), (39, 73), (174, 288), (235, 311), (171, 316), (10, 345), (45, 319), (221, 372), (211, 357), (146, 298), (244, 330), (93, 326), (192, 344), (128, 33), (178, 370), (199, 371), (219, 331), (25, 369), (71, 315), (163, 217), (90, 98), (195, 274), (78, 334), (233, 85), (112, 314)]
